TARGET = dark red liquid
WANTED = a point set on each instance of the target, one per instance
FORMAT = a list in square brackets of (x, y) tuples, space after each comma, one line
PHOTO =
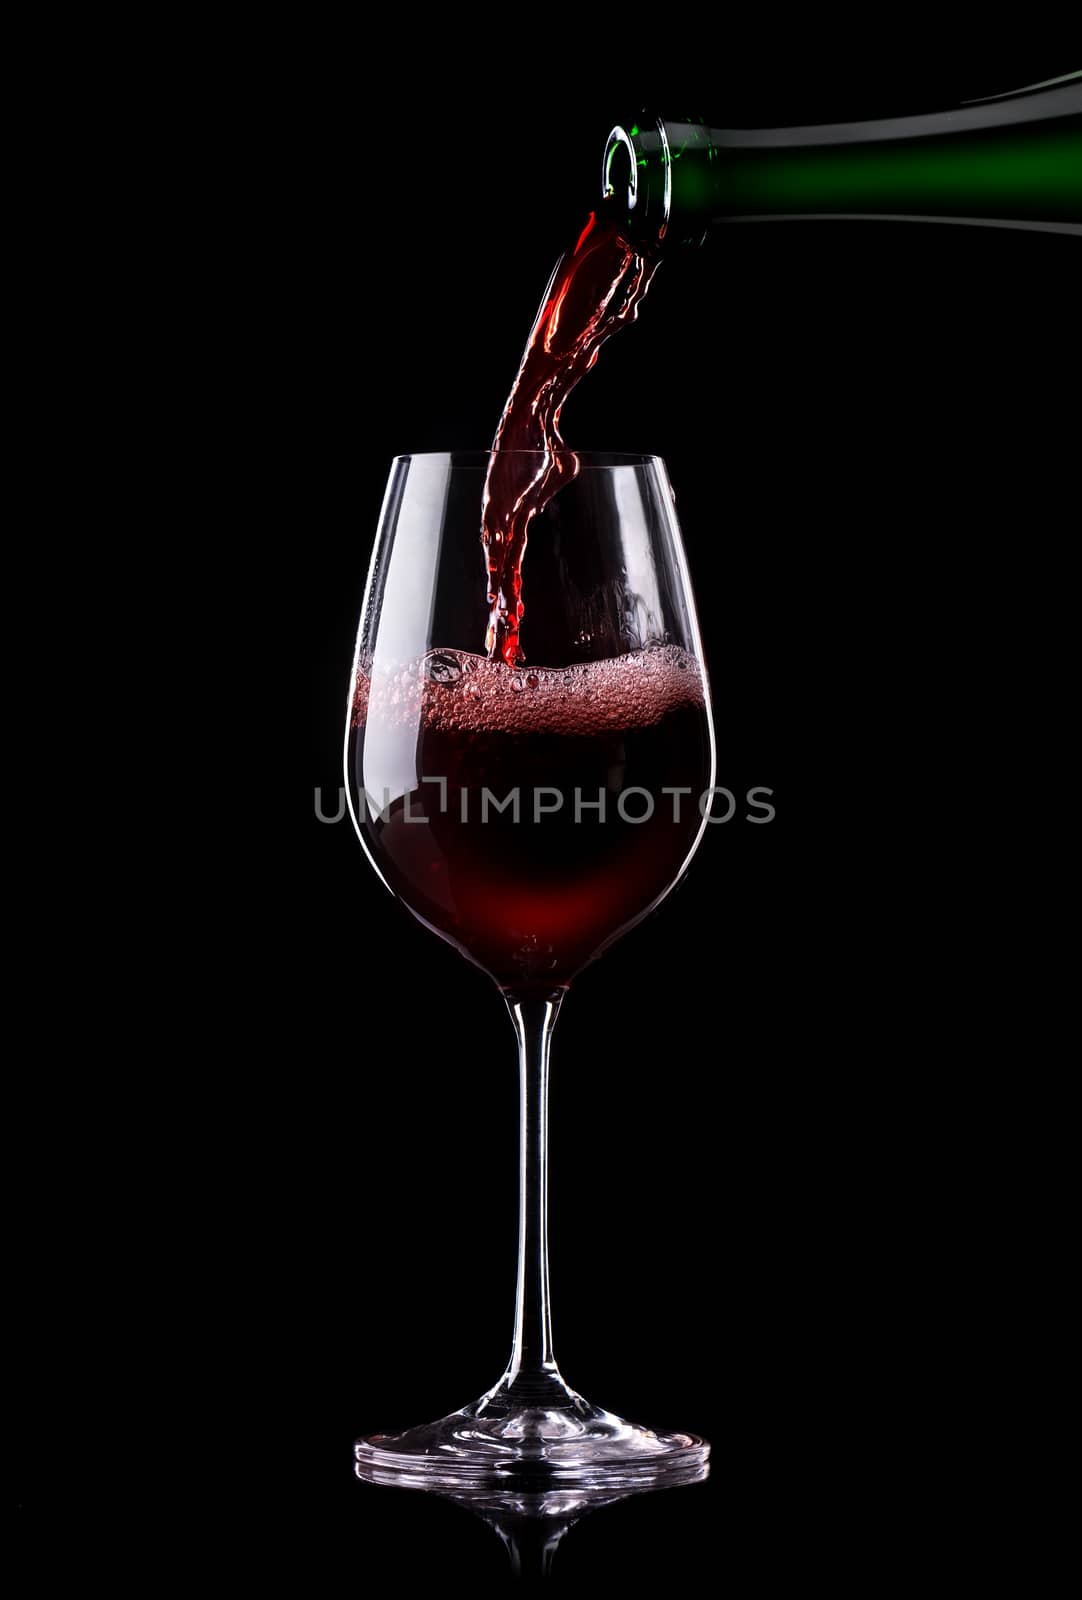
[(595, 288), (533, 900)]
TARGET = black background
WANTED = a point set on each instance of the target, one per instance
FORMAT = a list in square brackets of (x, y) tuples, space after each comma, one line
[(782, 1210), (766, 1131)]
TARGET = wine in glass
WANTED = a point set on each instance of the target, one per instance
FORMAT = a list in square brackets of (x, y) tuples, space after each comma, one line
[(530, 813)]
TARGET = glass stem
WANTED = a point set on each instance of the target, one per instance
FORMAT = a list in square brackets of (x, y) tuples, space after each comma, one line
[(532, 1377)]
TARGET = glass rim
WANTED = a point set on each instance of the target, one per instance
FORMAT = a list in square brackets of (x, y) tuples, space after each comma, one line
[(585, 458)]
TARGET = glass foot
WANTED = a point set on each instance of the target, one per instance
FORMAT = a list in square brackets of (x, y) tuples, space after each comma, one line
[(493, 1445)]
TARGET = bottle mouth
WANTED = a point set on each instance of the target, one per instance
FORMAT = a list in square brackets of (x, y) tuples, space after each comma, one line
[(636, 173), (619, 173)]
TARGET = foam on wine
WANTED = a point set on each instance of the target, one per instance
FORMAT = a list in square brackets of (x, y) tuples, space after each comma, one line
[(455, 691)]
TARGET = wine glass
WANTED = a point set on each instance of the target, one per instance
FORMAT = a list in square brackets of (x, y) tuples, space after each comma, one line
[(530, 815)]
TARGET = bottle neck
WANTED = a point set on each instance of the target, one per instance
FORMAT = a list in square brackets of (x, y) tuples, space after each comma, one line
[(1015, 159)]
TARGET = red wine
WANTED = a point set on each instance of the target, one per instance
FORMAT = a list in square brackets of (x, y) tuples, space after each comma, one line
[(533, 891), (595, 288)]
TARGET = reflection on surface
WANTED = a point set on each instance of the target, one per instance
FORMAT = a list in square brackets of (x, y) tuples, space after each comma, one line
[(530, 1525)]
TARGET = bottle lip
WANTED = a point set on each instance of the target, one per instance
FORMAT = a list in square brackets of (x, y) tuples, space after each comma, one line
[(587, 459), (619, 139), (649, 177)]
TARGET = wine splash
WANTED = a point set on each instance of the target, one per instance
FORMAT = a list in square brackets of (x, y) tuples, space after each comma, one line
[(596, 287)]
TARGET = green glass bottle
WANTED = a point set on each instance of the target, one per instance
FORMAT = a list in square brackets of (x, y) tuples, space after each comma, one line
[(1014, 160)]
